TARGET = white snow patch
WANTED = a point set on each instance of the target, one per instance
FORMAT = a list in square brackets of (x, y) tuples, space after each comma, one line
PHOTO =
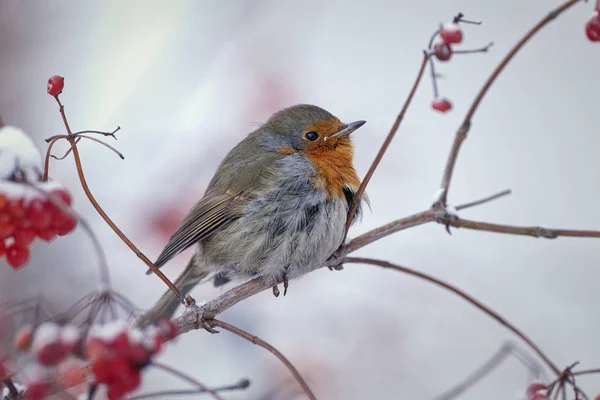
[(17, 151), (48, 332), (438, 195)]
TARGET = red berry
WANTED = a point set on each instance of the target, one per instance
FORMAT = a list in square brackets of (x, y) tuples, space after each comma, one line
[(441, 105), (63, 195), (6, 226), (51, 353), (451, 34), (534, 388), (442, 51), (2, 248), (3, 201), (47, 235), (102, 369), (56, 84), (37, 391), (17, 256), (16, 208), (24, 237), (39, 214), (64, 224), (592, 28)]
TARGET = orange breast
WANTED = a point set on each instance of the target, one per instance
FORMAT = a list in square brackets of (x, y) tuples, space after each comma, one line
[(334, 166)]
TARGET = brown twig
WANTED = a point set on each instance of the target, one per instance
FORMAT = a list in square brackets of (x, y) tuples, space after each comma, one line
[(61, 109), (587, 372), (188, 379), (167, 394), (259, 342), (484, 200), (461, 134), (2, 124), (383, 149), (534, 231), (493, 314)]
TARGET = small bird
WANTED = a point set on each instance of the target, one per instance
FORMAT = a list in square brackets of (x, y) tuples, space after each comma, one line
[(276, 207)]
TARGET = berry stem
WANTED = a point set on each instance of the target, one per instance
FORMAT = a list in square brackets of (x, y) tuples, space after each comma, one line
[(61, 108), (480, 50), (433, 78)]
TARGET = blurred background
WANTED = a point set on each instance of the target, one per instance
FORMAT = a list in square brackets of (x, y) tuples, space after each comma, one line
[(187, 80)]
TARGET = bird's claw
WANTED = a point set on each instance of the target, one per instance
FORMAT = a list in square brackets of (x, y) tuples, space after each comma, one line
[(275, 291), (203, 321), (335, 261), (286, 284)]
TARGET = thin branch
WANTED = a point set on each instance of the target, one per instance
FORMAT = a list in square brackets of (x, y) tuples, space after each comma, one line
[(114, 227), (48, 153), (111, 134), (61, 109), (461, 134), (587, 372), (465, 296), (117, 152), (534, 231), (69, 150), (2, 124), (383, 149), (484, 200), (166, 394), (259, 342), (188, 379)]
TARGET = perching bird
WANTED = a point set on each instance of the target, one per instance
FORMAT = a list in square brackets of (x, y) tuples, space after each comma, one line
[(276, 207)]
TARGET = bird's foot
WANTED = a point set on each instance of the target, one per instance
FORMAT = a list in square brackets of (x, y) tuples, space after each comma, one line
[(286, 284), (204, 321), (334, 262), (275, 291)]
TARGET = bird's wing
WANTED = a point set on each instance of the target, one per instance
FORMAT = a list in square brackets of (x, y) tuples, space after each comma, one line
[(213, 212)]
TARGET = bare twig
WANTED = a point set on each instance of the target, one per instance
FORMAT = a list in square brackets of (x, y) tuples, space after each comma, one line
[(117, 152), (461, 134), (484, 200), (534, 231), (384, 147), (188, 379), (167, 394), (467, 297), (61, 109), (259, 342), (587, 372)]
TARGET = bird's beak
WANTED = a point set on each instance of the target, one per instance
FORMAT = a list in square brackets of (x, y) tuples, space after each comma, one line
[(349, 128)]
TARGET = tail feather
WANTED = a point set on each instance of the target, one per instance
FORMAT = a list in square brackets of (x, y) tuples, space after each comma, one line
[(166, 306)]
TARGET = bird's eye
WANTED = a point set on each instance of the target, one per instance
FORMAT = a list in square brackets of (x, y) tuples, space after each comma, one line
[(312, 136)]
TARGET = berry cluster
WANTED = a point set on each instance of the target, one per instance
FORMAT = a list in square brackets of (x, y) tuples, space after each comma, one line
[(26, 214), (115, 352), (450, 34)]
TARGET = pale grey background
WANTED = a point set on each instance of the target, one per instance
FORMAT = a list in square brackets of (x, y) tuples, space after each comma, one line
[(186, 80)]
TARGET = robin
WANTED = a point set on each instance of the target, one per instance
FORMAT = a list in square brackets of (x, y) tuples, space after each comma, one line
[(276, 207)]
